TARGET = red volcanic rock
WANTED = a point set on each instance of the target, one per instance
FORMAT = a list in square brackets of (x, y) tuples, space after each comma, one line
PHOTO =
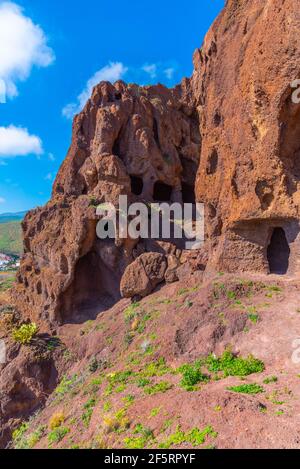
[(249, 174), (140, 142), (143, 275), (233, 122)]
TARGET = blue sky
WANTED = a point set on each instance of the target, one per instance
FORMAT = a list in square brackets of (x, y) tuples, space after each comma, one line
[(52, 52)]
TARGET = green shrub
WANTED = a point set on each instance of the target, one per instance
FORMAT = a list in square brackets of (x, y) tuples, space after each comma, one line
[(195, 437), (25, 333), (163, 387), (87, 415), (192, 375), (18, 434), (247, 389), (66, 385), (234, 366), (58, 434)]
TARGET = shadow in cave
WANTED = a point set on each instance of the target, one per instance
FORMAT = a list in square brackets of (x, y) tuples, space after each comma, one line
[(95, 289), (278, 252)]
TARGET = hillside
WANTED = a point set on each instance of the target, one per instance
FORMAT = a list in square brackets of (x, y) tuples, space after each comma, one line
[(11, 238), (139, 341), (146, 375)]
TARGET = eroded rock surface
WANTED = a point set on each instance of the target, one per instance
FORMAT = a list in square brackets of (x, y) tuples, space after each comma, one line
[(233, 123), (139, 142)]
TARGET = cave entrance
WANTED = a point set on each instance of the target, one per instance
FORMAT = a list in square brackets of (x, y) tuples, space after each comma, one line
[(188, 194), (278, 252), (162, 192), (94, 289), (137, 185)]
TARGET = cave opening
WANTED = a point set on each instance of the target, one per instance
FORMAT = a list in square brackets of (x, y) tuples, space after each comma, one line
[(278, 252), (162, 192), (188, 194), (137, 185), (94, 289)]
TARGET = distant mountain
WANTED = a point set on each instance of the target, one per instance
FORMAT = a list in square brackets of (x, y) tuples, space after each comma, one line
[(7, 217)]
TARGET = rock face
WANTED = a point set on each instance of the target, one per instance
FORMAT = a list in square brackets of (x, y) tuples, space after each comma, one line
[(233, 123), (249, 175), (139, 142)]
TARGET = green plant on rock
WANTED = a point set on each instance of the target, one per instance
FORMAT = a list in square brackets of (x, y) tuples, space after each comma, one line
[(25, 333)]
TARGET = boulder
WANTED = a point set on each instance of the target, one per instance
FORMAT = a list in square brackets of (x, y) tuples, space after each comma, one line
[(143, 275)]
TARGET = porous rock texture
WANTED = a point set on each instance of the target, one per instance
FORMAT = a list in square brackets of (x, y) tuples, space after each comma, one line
[(139, 142), (250, 130), (233, 123)]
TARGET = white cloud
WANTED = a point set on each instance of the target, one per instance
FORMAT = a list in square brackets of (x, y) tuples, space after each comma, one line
[(49, 177), (169, 72), (23, 45), (16, 141), (150, 69), (2, 200), (112, 72), (51, 157)]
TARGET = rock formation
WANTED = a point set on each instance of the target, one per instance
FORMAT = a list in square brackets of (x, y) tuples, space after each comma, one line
[(140, 142), (233, 123)]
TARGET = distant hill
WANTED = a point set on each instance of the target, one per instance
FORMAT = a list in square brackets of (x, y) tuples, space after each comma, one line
[(11, 233), (11, 238), (7, 217)]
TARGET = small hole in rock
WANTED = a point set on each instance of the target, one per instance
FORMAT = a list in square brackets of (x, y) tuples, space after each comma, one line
[(212, 163), (278, 252), (137, 185)]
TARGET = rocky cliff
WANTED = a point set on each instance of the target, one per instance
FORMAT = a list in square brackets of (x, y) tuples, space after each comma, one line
[(229, 136), (233, 123)]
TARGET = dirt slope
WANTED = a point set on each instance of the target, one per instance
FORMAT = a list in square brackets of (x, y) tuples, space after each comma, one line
[(119, 380)]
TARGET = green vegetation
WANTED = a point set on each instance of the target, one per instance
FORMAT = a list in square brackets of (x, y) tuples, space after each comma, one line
[(253, 318), (192, 375), (271, 379), (161, 387), (58, 434), (66, 385), (11, 238), (21, 441), (234, 366), (141, 441), (155, 411), (247, 389), (195, 437), (6, 282), (87, 415), (25, 333)]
